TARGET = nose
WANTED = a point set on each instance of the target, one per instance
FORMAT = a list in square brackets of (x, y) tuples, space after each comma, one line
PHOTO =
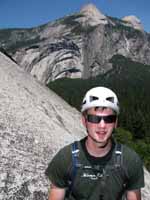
[(101, 123)]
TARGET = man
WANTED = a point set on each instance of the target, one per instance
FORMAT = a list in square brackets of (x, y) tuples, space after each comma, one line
[(98, 168)]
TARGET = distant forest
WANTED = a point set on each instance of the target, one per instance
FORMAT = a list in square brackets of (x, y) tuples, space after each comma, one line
[(131, 82)]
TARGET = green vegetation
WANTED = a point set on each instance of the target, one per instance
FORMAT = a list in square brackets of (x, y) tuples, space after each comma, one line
[(12, 39), (5, 33), (23, 43), (131, 81), (77, 27), (71, 20), (120, 26), (142, 147)]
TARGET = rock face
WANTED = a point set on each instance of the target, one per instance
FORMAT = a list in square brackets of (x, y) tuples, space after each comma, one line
[(146, 189), (34, 124), (134, 22), (76, 46), (92, 16), (54, 60)]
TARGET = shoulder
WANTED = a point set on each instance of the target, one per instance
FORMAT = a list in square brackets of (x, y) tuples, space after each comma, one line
[(65, 153), (130, 155), (68, 148), (132, 162), (65, 150), (133, 165), (59, 162)]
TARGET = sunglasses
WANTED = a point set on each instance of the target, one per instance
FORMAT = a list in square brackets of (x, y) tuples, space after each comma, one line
[(97, 119)]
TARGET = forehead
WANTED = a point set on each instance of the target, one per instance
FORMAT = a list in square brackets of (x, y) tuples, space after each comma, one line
[(100, 110)]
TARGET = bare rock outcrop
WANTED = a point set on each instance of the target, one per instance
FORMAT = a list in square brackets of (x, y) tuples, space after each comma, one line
[(134, 22), (92, 16), (146, 189), (34, 124)]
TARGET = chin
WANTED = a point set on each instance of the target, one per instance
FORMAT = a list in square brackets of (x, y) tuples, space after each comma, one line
[(101, 141)]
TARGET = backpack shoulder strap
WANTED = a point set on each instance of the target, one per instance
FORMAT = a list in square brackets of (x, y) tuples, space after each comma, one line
[(118, 155), (75, 165), (75, 160), (119, 163)]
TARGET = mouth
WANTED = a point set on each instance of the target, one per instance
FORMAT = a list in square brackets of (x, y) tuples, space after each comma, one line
[(101, 133)]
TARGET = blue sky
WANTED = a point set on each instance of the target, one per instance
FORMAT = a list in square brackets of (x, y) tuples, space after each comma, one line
[(31, 13)]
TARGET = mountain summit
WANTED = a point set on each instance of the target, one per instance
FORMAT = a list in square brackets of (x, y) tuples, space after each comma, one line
[(92, 15), (134, 22)]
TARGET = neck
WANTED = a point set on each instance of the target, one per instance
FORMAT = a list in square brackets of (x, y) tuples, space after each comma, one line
[(97, 149)]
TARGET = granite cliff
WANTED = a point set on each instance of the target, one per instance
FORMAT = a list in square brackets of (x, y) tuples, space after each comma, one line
[(76, 46), (34, 124)]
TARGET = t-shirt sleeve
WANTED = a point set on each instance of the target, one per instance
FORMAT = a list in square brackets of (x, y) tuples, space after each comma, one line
[(135, 173), (58, 168)]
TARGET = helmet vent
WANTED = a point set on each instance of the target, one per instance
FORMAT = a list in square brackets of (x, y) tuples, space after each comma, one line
[(111, 99), (84, 102), (93, 98)]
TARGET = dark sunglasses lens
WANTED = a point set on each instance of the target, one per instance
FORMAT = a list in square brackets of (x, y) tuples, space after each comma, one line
[(93, 118), (96, 119), (110, 118)]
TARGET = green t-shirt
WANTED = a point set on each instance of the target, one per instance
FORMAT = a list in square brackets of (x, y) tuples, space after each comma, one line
[(97, 178)]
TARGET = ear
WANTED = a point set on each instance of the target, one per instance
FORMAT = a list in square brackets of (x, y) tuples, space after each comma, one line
[(83, 120)]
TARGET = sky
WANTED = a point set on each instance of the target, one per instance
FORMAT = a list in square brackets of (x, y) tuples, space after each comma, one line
[(32, 13)]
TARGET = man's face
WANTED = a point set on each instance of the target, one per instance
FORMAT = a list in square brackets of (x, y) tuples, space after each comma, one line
[(100, 129)]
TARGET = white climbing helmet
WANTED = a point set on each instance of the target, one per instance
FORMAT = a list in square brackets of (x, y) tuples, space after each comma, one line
[(100, 97)]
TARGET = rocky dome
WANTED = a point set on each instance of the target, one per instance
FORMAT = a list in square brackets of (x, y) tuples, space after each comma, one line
[(92, 15), (134, 22), (34, 124)]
